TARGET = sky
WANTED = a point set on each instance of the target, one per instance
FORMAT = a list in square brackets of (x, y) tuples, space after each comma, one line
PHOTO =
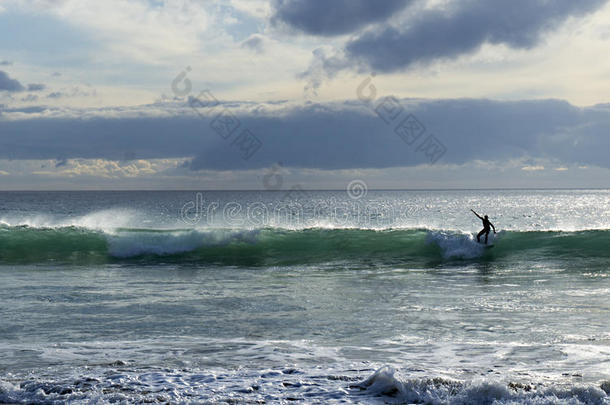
[(311, 94)]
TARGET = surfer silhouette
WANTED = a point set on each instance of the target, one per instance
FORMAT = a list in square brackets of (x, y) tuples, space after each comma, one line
[(486, 225)]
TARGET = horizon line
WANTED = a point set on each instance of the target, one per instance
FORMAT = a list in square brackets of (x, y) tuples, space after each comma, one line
[(305, 189)]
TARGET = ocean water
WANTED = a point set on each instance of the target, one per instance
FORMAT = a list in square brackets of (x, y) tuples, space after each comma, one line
[(304, 297)]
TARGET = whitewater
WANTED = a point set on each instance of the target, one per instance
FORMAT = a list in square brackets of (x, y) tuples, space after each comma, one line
[(315, 297)]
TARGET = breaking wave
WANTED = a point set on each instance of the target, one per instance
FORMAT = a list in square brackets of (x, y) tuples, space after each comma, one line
[(268, 246)]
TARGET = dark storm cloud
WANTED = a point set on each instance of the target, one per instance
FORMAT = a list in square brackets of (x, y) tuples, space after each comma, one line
[(439, 34), (333, 17), (327, 136), (447, 33), (8, 84)]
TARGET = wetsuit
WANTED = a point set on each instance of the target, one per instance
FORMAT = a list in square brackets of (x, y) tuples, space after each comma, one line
[(485, 230)]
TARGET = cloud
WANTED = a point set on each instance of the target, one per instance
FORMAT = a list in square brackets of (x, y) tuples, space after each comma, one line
[(61, 162), (5, 63), (105, 168), (142, 30), (30, 98), (36, 87), (24, 111), (254, 42), (444, 33), (333, 17), (71, 92), (254, 8), (169, 174), (532, 168), (330, 136), (8, 84)]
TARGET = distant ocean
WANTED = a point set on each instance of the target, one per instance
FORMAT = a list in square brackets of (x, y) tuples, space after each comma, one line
[(304, 297)]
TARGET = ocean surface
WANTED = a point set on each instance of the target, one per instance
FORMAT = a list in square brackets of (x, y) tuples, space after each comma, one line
[(298, 296)]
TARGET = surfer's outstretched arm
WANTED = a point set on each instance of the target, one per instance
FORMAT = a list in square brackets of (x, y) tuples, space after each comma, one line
[(494, 228), (475, 213)]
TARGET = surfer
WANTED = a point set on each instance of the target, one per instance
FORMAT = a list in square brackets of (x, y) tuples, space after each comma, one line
[(486, 225)]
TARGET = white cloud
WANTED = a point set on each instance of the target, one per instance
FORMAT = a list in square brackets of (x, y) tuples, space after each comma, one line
[(256, 8), (532, 168), (137, 29), (169, 174), (108, 168), (167, 36)]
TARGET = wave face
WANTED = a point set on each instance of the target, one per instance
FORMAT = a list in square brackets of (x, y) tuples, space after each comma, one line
[(272, 246)]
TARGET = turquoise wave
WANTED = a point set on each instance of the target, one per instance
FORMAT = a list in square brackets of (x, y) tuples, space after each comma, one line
[(273, 246)]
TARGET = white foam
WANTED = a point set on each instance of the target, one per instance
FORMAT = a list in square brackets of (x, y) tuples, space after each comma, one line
[(123, 384), (388, 383), (460, 245), (270, 371)]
